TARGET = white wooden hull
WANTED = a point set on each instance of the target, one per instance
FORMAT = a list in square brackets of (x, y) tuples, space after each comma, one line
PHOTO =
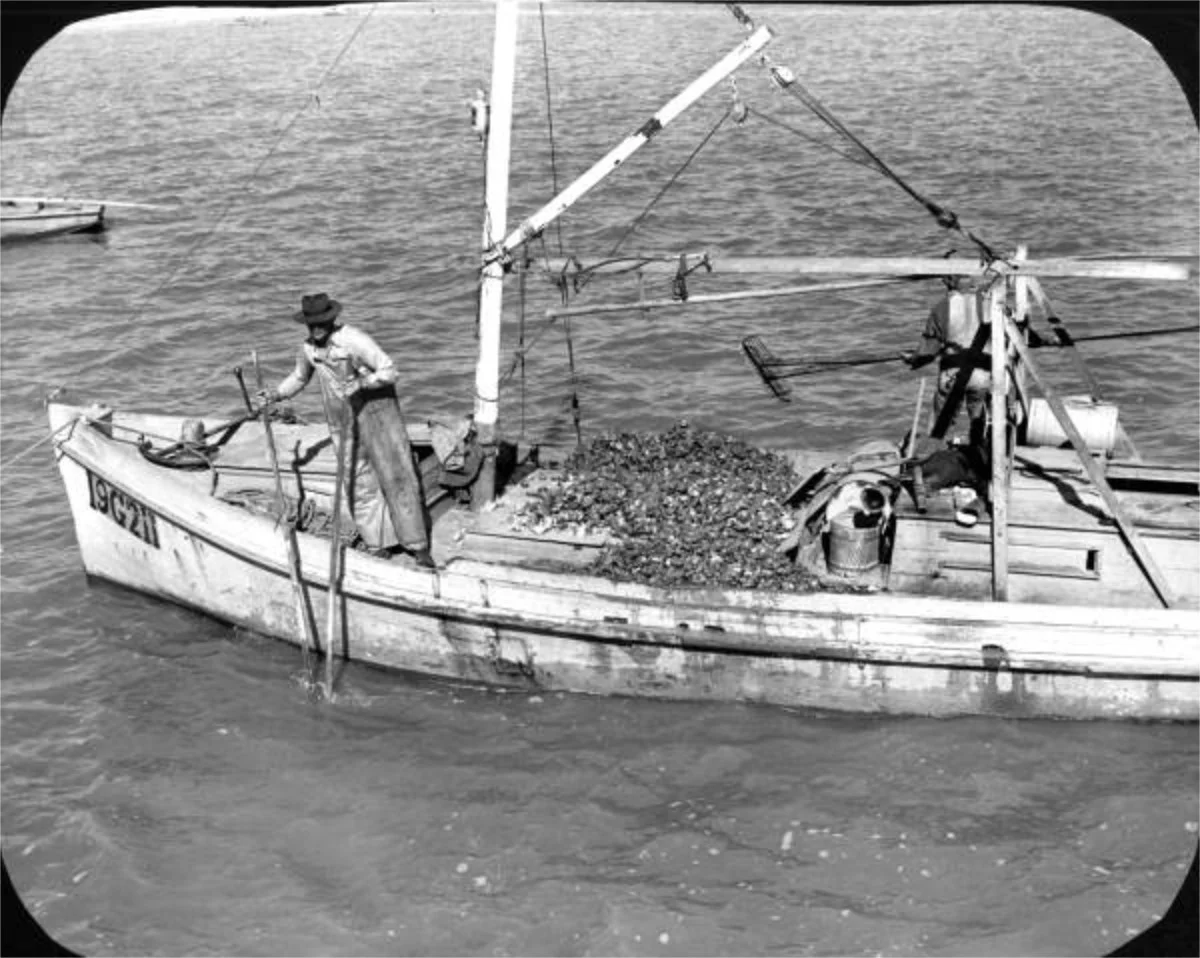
[(513, 626), (21, 222)]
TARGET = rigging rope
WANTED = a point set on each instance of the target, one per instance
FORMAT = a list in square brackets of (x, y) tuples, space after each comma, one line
[(785, 80), (206, 236), (574, 383), (550, 121), (584, 274), (671, 182)]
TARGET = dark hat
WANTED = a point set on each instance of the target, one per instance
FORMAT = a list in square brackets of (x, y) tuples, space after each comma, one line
[(317, 310)]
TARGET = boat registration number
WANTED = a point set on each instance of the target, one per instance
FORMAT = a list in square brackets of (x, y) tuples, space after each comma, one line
[(128, 513)]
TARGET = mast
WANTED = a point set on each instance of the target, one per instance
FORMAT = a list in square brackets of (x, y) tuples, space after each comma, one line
[(491, 288), (497, 247)]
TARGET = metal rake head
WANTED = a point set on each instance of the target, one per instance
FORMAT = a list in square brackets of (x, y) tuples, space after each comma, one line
[(766, 362)]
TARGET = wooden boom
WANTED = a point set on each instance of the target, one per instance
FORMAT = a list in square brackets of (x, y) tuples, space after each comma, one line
[(532, 226), (905, 266)]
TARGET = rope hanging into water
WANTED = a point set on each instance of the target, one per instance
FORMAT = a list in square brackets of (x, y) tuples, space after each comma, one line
[(785, 80)]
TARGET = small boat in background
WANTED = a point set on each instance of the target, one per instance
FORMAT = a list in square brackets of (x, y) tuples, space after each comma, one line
[(38, 217)]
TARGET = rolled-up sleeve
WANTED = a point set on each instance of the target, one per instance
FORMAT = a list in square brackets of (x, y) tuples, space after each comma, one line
[(368, 355), (298, 378)]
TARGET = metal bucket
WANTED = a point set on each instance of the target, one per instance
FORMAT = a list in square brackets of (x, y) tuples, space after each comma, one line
[(852, 550), (1095, 421)]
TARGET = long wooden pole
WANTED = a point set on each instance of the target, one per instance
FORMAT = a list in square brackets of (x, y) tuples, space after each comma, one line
[(999, 445), (335, 548), (1133, 540), (303, 612), (647, 304), (903, 266), (916, 470), (491, 288), (534, 225)]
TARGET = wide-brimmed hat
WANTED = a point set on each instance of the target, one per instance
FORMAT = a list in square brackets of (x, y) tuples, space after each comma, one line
[(317, 310)]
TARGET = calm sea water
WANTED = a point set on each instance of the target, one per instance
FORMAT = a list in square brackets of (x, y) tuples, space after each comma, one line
[(168, 788)]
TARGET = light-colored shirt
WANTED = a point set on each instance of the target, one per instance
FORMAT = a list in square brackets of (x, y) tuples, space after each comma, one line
[(348, 355), (950, 330)]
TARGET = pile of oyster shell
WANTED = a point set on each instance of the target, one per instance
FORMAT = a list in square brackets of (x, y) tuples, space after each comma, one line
[(686, 507)]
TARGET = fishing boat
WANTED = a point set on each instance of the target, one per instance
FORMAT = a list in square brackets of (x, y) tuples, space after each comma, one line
[(23, 219), (39, 217), (1058, 579)]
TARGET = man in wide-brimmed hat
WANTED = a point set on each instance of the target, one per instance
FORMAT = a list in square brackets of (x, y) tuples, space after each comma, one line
[(358, 380)]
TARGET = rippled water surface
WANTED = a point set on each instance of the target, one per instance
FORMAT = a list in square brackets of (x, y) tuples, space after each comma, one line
[(168, 788)]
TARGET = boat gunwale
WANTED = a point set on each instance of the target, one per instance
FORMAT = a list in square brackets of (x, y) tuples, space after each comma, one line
[(422, 592)]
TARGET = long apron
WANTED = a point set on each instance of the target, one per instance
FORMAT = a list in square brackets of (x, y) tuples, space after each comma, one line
[(383, 489), (381, 437)]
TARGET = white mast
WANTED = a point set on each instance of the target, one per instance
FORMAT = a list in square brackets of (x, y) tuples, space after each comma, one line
[(497, 246), (491, 289)]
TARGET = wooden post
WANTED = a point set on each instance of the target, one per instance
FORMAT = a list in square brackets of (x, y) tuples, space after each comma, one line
[(1140, 553), (1021, 286), (491, 287), (996, 298)]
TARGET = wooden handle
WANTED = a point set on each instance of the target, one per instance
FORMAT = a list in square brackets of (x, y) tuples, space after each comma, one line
[(237, 371), (920, 496)]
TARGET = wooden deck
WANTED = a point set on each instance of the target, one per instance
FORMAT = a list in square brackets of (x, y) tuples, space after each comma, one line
[(1063, 544)]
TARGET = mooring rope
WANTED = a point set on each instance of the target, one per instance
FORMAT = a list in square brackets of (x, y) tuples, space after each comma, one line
[(37, 444)]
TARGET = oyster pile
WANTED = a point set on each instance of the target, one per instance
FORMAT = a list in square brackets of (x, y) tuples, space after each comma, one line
[(686, 507)]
